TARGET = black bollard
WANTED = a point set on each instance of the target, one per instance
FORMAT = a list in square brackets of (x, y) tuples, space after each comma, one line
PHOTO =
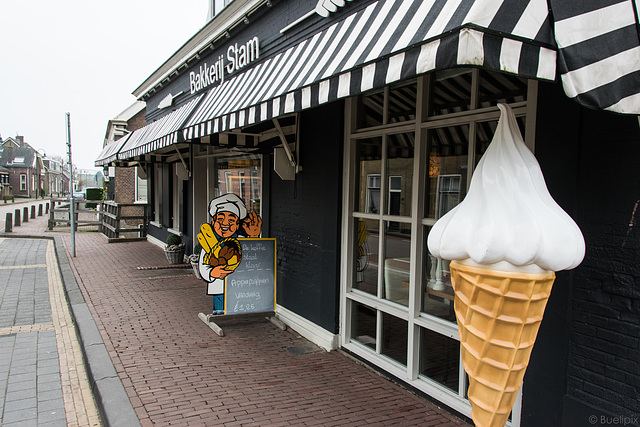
[(25, 214), (8, 223), (16, 220), (33, 212)]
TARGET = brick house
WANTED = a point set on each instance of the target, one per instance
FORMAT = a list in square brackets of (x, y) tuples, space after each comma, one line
[(123, 182), (56, 178), (4, 182), (25, 167)]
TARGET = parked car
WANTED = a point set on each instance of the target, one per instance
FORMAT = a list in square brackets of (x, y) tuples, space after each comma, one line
[(79, 196)]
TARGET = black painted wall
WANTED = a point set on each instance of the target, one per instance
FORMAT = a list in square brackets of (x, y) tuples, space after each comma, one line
[(305, 219), (265, 24), (585, 366)]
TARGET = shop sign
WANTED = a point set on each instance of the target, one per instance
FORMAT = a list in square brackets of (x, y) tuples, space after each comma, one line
[(237, 57)]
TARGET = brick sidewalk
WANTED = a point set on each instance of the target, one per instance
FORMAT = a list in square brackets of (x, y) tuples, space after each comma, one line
[(176, 371)]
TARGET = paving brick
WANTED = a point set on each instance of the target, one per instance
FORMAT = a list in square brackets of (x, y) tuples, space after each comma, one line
[(176, 371)]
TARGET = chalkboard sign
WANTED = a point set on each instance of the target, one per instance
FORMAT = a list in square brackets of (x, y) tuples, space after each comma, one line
[(251, 288)]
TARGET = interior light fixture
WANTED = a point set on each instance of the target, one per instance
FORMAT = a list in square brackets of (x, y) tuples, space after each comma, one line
[(246, 20), (269, 4)]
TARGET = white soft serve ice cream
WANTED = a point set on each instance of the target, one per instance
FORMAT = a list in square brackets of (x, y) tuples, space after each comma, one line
[(508, 220)]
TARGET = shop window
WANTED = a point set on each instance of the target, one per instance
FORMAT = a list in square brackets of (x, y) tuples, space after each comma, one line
[(363, 325), (177, 198), (240, 175), (369, 172), (399, 169), (23, 182), (366, 256), (373, 193), (450, 92), (394, 338), (440, 359), (408, 172), (397, 263), (141, 188), (157, 193), (447, 161), (437, 293), (402, 103), (370, 109), (500, 87)]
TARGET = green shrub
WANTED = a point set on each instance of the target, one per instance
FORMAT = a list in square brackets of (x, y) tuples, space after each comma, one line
[(173, 239), (94, 193)]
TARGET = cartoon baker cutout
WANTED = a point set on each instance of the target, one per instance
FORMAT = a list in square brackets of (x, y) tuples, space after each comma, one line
[(221, 251)]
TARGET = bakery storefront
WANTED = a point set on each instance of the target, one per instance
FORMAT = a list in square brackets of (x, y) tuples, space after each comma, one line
[(352, 127)]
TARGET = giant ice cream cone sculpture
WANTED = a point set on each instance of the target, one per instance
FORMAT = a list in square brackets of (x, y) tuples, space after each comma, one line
[(498, 315), (507, 238)]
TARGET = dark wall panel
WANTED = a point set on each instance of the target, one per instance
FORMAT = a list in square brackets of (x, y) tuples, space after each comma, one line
[(305, 220), (586, 359)]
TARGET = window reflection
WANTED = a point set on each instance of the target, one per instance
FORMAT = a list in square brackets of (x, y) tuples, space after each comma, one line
[(450, 91), (241, 176), (397, 265), (363, 324), (440, 358), (370, 109), (402, 103), (447, 161), (366, 256), (369, 171), (394, 338), (400, 148), (500, 87), (437, 291)]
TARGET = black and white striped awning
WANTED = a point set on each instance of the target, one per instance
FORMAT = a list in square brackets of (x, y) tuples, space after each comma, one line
[(159, 134), (599, 52), (593, 47), (110, 151), (385, 42)]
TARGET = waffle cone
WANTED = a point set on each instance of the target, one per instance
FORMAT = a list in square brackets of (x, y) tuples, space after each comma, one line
[(498, 314)]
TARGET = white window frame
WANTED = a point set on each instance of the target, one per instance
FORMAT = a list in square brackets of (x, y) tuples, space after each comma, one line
[(176, 214), (412, 313), (23, 182), (157, 190), (141, 190)]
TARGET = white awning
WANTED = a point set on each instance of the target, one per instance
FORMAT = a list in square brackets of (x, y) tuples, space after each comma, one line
[(110, 151), (159, 134)]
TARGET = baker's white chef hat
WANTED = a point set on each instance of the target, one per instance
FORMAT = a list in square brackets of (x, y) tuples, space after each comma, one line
[(228, 203)]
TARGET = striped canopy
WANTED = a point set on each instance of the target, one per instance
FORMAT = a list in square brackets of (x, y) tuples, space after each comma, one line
[(591, 46)]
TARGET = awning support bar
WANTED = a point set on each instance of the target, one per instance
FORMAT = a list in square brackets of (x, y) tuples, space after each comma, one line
[(183, 162), (285, 145)]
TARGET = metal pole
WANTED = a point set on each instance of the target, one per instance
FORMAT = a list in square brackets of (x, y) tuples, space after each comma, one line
[(72, 215)]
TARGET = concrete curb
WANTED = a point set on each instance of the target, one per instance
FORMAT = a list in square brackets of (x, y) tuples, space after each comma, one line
[(111, 397)]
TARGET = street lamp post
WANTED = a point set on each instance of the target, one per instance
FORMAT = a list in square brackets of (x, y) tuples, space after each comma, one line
[(72, 216)]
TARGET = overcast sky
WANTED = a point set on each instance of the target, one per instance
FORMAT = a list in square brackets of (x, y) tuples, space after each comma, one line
[(85, 58)]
